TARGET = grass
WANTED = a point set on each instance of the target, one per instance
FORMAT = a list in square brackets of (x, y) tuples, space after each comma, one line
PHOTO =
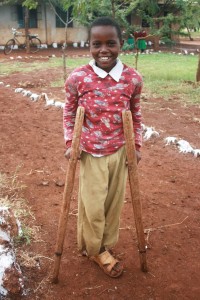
[(194, 34), (8, 68), (169, 75), (10, 197), (165, 74)]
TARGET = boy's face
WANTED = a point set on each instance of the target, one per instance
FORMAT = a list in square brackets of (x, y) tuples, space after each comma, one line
[(105, 46)]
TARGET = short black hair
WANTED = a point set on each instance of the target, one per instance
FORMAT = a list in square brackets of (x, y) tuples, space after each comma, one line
[(106, 21)]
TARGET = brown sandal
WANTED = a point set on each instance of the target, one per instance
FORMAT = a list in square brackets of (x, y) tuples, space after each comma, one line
[(108, 264)]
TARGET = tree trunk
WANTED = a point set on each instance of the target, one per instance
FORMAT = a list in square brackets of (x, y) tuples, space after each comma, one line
[(26, 19), (189, 34), (198, 71), (64, 48), (156, 43), (156, 38), (113, 8), (45, 22), (64, 55)]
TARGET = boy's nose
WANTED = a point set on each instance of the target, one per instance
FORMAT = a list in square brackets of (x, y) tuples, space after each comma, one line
[(103, 48)]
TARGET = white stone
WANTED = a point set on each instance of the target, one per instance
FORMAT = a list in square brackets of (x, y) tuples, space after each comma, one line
[(184, 146), (55, 45), (170, 140), (150, 132)]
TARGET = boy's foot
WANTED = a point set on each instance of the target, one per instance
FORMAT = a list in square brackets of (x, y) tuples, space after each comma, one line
[(111, 266)]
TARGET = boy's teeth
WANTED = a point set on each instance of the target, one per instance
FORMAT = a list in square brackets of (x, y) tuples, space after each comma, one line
[(104, 58)]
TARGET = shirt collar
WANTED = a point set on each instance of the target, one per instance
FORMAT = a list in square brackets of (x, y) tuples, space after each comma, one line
[(115, 73)]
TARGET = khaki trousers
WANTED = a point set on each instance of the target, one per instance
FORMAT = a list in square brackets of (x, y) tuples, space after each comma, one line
[(101, 196)]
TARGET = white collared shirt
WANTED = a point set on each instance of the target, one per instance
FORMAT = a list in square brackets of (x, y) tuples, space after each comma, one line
[(115, 73)]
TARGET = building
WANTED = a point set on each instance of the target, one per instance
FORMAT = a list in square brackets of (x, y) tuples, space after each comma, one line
[(44, 21)]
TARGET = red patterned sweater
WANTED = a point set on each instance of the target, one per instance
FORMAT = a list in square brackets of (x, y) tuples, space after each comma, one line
[(104, 99)]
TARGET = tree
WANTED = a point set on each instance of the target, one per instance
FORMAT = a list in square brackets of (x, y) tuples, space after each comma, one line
[(84, 12), (162, 16), (198, 71), (165, 18), (30, 4), (190, 16)]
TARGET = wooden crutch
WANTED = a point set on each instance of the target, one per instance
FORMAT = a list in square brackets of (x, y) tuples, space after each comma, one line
[(134, 185), (69, 183)]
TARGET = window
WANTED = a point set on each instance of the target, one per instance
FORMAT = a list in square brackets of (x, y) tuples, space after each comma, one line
[(64, 16), (145, 23), (32, 17)]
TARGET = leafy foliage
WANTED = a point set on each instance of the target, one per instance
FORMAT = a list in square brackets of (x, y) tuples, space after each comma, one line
[(84, 12), (30, 4), (160, 15)]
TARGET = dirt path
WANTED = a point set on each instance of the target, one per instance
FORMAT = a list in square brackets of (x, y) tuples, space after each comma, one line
[(32, 138)]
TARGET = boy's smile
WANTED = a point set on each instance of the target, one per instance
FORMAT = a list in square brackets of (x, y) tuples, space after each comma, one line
[(105, 46)]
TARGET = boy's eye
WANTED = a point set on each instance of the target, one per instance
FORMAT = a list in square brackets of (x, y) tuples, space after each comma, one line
[(111, 43), (96, 44)]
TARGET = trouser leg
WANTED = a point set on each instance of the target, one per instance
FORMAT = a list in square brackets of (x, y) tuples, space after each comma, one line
[(115, 197), (101, 194), (93, 191)]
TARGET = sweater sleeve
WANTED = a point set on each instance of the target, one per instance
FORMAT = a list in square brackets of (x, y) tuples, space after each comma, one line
[(136, 114), (70, 108)]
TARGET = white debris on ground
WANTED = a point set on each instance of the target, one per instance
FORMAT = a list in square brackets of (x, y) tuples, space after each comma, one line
[(59, 104), (19, 90), (45, 98), (196, 152), (43, 46), (26, 93), (35, 97), (149, 132), (170, 140), (11, 280), (183, 145)]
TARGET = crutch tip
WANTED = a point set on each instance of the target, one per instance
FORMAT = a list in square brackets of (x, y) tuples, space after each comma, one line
[(144, 269)]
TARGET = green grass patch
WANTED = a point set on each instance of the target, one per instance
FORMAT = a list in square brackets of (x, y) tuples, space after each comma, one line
[(165, 74), (10, 197), (57, 83), (168, 75), (167, 67), (194, 34), (8, 68), (13, 66)]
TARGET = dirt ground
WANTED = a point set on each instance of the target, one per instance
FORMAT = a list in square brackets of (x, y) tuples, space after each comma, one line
[(32, 138)]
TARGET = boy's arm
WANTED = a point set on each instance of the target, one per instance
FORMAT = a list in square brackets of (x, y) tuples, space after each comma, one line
[(69, 112), (136, 115)]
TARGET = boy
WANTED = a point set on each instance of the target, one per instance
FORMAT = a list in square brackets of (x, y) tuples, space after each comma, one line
[(105, 87)]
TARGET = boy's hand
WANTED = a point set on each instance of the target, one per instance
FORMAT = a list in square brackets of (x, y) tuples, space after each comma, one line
[(138, 157), (68, 153)]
